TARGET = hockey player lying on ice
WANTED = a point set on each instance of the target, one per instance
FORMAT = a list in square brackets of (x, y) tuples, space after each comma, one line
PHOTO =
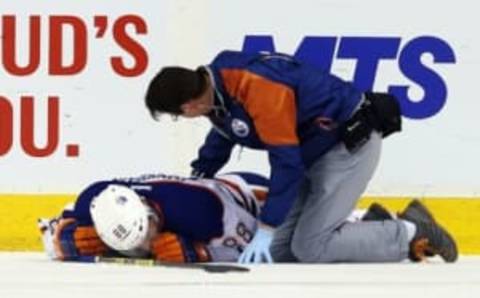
[(165, 217), (173, 219)]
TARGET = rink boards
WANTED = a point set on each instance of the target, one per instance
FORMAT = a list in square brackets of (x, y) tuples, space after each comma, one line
[(19, 213)]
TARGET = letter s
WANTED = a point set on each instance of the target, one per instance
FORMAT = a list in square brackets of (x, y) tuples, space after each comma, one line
[(434, 86)]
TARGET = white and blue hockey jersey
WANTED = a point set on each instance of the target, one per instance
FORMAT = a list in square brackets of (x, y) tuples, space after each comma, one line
[(202, 219)]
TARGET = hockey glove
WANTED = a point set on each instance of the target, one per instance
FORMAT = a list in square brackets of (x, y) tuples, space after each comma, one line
[(258, 250), (63, 239), (170, 247)]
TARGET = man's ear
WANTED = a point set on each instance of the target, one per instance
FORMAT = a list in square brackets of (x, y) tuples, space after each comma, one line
[(186, 107)]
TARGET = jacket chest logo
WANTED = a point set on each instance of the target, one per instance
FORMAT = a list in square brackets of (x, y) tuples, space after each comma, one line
[(240, 128)]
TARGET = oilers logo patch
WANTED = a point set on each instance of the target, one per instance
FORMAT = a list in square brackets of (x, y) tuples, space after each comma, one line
[(240, 128)]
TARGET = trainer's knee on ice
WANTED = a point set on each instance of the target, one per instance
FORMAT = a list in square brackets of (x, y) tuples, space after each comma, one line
[(310, 251)]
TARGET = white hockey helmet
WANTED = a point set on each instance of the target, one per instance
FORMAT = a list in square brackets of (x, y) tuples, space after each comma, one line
[(121, 218)]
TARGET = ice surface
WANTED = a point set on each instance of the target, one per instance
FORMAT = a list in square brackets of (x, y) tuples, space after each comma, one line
[(32, 275)]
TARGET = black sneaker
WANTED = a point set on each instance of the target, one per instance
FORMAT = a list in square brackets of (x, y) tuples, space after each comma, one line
[(416, 209), (430, 238), (376, 212)]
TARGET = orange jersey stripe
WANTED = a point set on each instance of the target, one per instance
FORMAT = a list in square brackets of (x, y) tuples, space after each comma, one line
[(270, 104), (167, 247)]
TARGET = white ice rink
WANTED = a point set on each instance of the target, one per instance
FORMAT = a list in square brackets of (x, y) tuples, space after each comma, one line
[(32, 275)]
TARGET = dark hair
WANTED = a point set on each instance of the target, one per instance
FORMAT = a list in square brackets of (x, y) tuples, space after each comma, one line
[(172, 87)]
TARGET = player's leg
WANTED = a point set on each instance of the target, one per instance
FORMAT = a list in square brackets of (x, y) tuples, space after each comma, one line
[(253, 179), (251, 182), (249, 189), (254, 185)]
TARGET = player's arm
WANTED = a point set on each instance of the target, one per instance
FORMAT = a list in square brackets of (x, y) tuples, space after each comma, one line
[(72, 240), (213, 155), (171, 247)]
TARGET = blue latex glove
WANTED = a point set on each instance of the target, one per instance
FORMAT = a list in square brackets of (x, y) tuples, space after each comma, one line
[(258, 250)]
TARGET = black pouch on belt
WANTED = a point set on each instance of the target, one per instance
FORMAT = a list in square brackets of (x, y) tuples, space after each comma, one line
[(379, 111)]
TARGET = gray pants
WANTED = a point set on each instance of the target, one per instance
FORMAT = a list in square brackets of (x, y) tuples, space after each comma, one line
[(315, 230)]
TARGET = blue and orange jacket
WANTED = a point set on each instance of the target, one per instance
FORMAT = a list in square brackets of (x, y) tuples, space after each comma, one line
[(273, 102)]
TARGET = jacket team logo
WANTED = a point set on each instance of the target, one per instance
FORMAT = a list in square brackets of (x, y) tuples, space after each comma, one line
[(240, 128)]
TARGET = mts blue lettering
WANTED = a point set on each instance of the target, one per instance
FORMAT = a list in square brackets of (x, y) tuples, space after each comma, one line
[(368, 52)]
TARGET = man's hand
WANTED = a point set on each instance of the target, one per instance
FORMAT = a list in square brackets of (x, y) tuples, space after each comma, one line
[(258, 250)]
